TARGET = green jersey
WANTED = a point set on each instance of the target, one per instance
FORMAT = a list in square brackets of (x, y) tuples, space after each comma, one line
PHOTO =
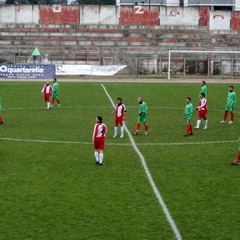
[(188, 111), (142, 113), (143, 108), (203, 90), (232, 99), (55, 87), (55, 90)]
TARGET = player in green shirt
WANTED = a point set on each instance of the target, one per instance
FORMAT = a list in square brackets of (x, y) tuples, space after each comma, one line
[(1, 121), (187, 116), (142, 116), (231, 104), (55, 92), (203, 90)]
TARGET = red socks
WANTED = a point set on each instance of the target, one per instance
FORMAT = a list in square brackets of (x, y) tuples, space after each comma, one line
[(238, 157), (225, 116), (57, 101), (232, 116), (138, 127), (146, 127), (189, 129)]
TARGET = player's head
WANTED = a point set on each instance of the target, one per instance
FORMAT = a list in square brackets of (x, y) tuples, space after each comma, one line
[(99, 119), (230, 88), (47, 82), (202, 95), (188, 100), (119, 101), (54, 80), (140, 100), (203, 83)]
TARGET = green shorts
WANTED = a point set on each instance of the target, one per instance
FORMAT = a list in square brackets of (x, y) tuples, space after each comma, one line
[(55, 95), (142, 118), (188, 119), (229, 108)]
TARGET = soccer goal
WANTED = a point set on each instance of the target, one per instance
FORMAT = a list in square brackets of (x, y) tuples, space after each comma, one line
[(198, 62)]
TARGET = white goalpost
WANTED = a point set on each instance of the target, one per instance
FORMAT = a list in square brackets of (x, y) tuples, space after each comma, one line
[(170, 52)]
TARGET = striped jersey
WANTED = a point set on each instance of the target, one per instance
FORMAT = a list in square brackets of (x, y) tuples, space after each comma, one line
[(232, 99), (202, 105), (47, 89), (120, 109), (100, 131)]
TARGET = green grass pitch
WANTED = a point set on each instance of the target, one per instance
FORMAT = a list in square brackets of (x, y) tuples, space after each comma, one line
[(52, 189)]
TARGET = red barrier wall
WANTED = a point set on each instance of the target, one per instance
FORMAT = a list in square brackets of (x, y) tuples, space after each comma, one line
[(57, 14), (235, 21), (203, 16), (139, 15)]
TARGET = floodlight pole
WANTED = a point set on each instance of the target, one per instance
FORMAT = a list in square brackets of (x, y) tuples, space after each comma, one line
[(192, 51)]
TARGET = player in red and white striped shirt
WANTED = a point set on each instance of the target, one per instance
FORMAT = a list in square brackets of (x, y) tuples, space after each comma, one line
[(99, 136), (202, 111), (47, 91), (120, 113)]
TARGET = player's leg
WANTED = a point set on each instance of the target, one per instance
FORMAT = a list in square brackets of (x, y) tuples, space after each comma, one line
[(96, 151), (205, 123), (96, 155), (1, 120), (58, 100), (115, 131), (121, 127), (101, 155), (146, 128), (138, 125), (237, 161), (52, 100), (46, 98), (232, 117), (188, 128), (115, 127), (225, 114), (198, 122)]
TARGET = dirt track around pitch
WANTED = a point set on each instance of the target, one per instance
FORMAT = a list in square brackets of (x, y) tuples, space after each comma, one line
[(130, 80)]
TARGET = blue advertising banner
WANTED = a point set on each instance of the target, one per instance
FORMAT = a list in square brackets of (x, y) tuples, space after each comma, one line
[(27, 71)]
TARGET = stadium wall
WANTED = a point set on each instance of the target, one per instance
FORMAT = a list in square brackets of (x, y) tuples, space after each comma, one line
[(120, 15)]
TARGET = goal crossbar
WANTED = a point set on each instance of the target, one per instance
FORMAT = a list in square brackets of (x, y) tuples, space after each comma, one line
[(192, 51)]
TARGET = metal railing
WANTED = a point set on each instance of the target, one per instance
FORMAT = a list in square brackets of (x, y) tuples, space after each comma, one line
[(156, 65)]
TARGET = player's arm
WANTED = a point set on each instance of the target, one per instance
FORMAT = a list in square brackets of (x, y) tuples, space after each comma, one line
[(94, 132), (235, 100), (124, 113)]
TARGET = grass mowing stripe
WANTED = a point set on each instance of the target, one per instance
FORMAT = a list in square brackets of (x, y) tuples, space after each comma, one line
[(149, 176)]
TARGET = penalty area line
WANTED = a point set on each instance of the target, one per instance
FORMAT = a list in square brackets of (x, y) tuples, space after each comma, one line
[(150, 178)]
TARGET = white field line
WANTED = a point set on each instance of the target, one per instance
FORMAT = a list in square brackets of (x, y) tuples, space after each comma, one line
[(116, 144), (149, 176), (82, 106)]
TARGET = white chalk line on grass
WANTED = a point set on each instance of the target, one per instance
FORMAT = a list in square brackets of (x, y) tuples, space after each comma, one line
[(82, 106), (115, 144), (149, 176)]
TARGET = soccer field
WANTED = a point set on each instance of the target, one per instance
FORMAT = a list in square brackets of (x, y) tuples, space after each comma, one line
[(52, 189)]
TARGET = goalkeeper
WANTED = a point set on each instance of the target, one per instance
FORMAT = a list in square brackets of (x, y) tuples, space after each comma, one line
[(142, 116)]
